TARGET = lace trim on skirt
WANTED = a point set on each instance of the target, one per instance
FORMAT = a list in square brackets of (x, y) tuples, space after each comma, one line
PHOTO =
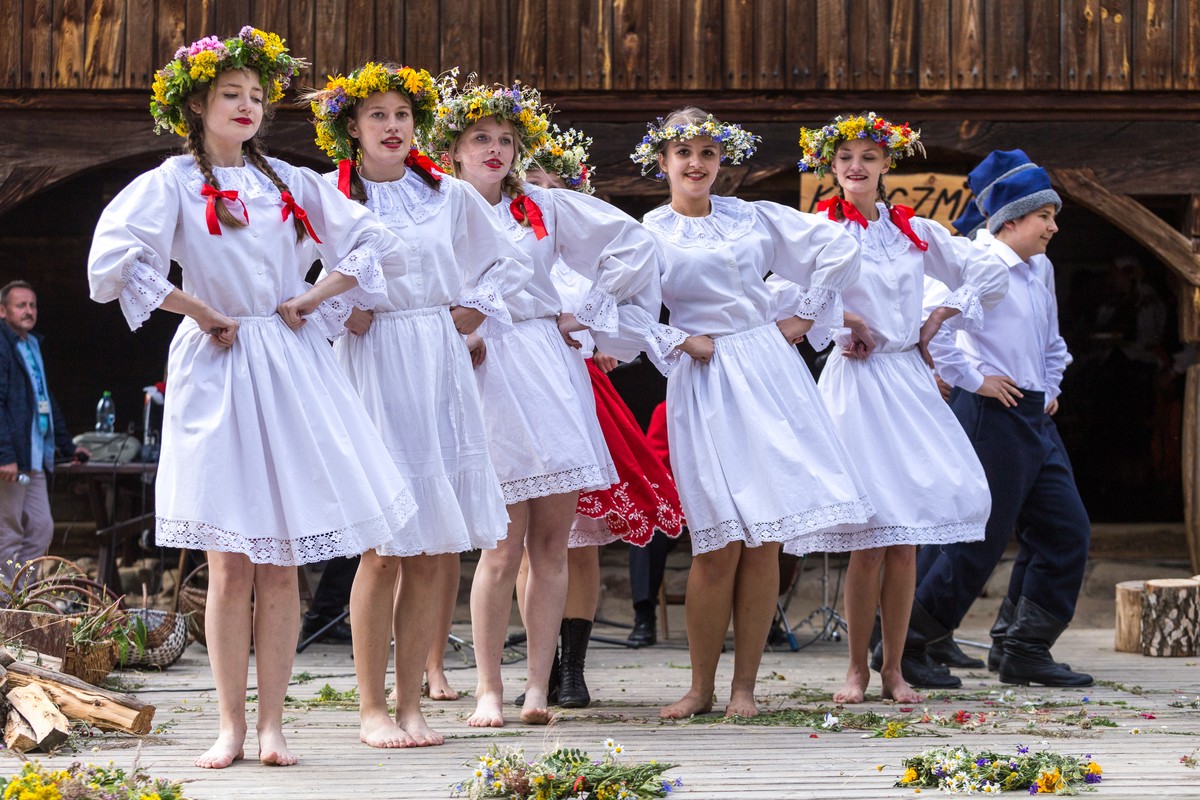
[(887, 535), (569, 480), (794, 526)]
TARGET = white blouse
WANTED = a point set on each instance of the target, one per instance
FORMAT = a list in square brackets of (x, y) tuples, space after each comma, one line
[(714, 279), (597, 240), (454, 252), (244, 272), (890, 287)]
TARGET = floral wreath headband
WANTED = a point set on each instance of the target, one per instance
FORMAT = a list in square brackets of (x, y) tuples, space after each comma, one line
[(565, 154), (333, 105), (737, 144), (519, 104), (821, 144), (203, 60)]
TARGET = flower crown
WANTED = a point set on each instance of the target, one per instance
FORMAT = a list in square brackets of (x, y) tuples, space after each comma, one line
[(565, 154), (820, 144), (332, 105), (521, 105), (737, 144), (203, 60)]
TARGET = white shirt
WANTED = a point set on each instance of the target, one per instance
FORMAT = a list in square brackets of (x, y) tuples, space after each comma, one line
[(573, 289), (1019, 338)]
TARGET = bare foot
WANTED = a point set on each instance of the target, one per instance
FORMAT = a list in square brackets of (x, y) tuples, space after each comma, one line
[(855, 688), (273, 750), (226, 750), (488, 711), (896, 688), (536, 710), (438, 688), (689, 705), (741, 704), (379, 730), (419, 731)]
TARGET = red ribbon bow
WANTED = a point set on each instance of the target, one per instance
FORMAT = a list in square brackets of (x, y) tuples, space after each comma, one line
[(345, 168), (900, 217), (416, 158), (833, 204), (290, 206), (523, 207), (210, 210)]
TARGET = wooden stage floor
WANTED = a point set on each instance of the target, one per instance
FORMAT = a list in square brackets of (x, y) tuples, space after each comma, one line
[(1139, 720)]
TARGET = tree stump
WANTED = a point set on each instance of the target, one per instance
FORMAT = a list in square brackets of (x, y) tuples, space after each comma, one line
[(1127, 631), (1171, 617)]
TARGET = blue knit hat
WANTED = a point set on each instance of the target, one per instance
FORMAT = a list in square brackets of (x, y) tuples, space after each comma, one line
[(998, 165), (1021, 193)]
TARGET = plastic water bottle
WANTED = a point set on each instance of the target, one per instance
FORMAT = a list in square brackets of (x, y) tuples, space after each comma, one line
[(106, 414)]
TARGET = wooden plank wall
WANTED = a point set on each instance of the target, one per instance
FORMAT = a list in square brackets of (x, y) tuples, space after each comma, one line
[(613, 45)]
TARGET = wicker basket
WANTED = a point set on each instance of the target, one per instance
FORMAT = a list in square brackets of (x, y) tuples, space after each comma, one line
[(192, 599), (90, 662), (166, 638)]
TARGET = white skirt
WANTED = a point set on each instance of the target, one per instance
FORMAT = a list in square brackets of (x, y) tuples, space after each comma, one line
[(414, 375), (921, 472), (754, 454), (267, 451), (540, 415)]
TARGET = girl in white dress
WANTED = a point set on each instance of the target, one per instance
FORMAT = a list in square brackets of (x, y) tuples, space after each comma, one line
[(408, 360), (268, 458), (920, 470), (753, 452), (545, 441)]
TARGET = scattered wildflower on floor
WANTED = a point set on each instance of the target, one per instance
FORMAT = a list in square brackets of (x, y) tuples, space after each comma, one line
[(564, 774), (35, 782), (957, 770)]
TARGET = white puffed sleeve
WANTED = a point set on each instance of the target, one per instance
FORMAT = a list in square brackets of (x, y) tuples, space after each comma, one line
[(819, 256), (493, 266), (977, 278), (353, 240), (131, 250)]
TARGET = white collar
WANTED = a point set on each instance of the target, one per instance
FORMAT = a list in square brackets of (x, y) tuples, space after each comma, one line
[(730, 219), (407, 198)]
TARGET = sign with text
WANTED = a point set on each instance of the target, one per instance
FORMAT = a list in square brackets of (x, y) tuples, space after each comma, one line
[(934, 195)]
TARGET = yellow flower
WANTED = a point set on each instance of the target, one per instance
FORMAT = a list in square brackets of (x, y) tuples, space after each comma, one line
[(276, 91), (272, 44), (203, 66), (1050, 782), (1094, 768), (910, 776)]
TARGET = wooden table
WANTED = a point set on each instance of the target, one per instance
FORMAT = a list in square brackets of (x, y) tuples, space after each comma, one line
[(102, 481)]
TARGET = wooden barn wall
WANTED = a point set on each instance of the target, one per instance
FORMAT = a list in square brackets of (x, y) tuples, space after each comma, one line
[(617, 45)]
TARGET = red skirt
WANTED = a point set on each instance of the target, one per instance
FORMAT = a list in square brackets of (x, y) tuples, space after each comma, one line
[(644, 499)]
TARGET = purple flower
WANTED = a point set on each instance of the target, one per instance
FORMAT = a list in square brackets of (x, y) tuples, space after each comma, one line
[(1092, 777), (1022, 750), (679, 781), (1033, 789), (983, 762)]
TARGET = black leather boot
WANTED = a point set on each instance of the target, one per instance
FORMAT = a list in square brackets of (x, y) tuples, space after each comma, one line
[(1027, 650), (946, 651), (1004, 618), (551, 690), (918, 669), (573, 690), (643, 633)]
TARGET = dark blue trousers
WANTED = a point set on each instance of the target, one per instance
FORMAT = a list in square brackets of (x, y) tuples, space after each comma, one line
[(1034, 494)]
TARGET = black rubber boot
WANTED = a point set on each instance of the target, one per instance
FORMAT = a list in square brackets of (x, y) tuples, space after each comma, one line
[(946, 651), (918, 669), (551, 690), (573, 691), (1027, 650), (1004, 618)]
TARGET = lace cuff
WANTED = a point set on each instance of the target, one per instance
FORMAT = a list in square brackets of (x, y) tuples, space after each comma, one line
[(663, 350), (363, 265), (144, 288), (824, 308), (966, 300), (330, 317), (486, 297), (599, 311)]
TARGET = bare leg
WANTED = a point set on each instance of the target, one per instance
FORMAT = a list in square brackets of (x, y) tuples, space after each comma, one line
[(896, 599), (445, 588), (491, 604), (754, 597), (414, 620), (707, 611), (583, 584), (862, 599), (372, 594), (227, 631), (276, 629), (545, 595)]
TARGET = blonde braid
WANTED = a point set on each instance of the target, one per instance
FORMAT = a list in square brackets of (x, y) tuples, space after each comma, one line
[(195, 147), (254, 154)]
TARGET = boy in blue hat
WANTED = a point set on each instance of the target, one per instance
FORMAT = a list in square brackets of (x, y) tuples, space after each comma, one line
[(1006, 380)]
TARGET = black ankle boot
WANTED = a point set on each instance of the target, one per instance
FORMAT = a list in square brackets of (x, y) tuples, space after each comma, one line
[(918, 669), (573, 691), (643, 633), (1027, 650), (1004, 618), (551, 690), (946, 651)]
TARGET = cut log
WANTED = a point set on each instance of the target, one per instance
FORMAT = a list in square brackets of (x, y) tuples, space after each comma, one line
[(1170, 617), (80, 700), (18, 735), (50, 727), (1127, 632)]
